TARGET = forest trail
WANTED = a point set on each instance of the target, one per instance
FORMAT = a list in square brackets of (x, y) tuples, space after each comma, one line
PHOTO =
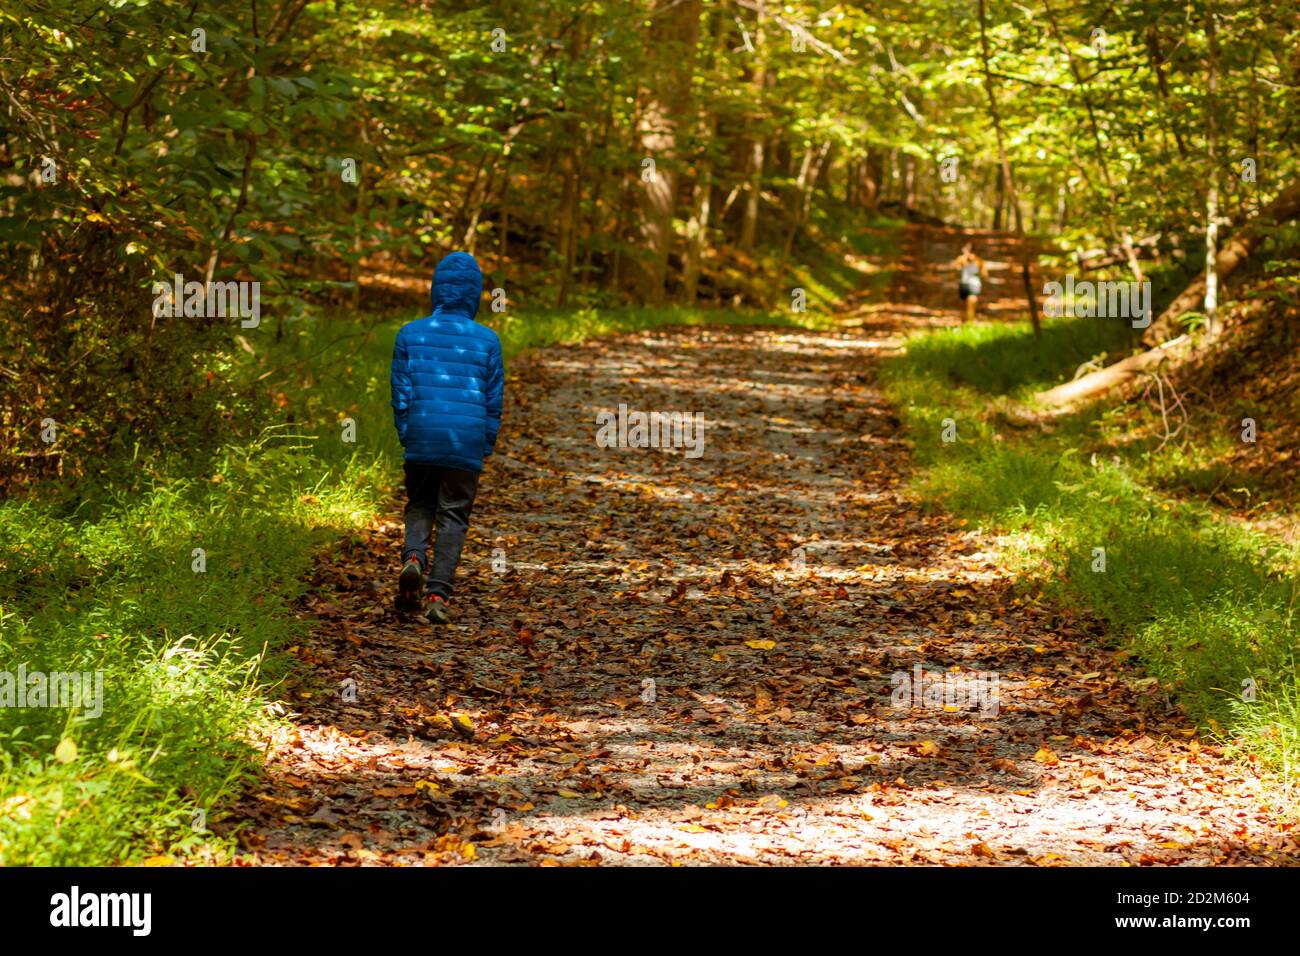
[(771, 589)]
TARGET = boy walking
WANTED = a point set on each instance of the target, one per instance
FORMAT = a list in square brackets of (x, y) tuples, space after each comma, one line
[(448, 381)]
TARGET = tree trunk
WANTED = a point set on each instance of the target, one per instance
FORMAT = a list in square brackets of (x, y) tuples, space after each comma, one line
[(596, 223), (871, 171), (359, 219), (568, 224), (697, 227), (999, 199), (503, 242), (749, 223), (1006, 172), (1212, 188), (1239, 248), (463, 211), (470, 241), (676, 23), (809, 172), (696, 232)]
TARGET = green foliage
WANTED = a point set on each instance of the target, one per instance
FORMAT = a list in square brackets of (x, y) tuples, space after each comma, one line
[(519, 131), (116, 592)]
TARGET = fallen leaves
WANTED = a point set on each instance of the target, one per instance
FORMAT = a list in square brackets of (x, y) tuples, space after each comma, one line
[(1047, 757), (527, 732), (463, 726)]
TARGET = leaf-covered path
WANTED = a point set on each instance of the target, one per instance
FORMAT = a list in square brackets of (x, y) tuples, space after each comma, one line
[(770, 590)]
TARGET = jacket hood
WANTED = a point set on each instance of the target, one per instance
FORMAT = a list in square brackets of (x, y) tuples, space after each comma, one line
[(457, 285)]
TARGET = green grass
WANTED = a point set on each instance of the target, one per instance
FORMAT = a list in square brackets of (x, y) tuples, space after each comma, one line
[(184, 694), (102, 579), (1208, 605)]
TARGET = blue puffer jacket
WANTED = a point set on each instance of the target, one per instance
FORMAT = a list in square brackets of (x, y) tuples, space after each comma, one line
[(447, 376)]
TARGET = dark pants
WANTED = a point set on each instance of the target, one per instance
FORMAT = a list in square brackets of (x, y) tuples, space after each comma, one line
[(445, 497)]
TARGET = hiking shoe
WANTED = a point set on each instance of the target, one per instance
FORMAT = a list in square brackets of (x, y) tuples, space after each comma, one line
[(408, 586), (436, 609)]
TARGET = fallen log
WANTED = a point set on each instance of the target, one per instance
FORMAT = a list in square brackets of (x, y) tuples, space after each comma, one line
[(1236, 251), (1284, 207), (1112, 375)]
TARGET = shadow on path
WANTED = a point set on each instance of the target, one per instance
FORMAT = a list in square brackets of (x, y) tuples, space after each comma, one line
[(769, 593)]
